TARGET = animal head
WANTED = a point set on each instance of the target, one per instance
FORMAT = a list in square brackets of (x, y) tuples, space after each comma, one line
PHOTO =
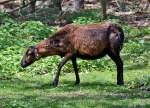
[(43, 49), (29, 57)]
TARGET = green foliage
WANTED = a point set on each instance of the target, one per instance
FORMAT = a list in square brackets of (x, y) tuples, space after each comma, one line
[(4, 18), (92, 16), (15, 38), (145, 31), (137, 52), (37, 29), (132, 32), (86, 17), (139, 83), (133, 47), (84, 20)]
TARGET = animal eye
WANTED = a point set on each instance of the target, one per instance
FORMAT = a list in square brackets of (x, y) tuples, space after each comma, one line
[(56, 43), (47, 46)]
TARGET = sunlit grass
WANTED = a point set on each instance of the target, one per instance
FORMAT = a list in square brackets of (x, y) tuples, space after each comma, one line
[(97, 89)]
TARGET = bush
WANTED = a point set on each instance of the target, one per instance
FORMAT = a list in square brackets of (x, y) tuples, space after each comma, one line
[(86, 17), (14, 38), (137, 83)]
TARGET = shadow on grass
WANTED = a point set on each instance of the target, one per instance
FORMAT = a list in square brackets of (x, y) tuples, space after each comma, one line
[(136, 66), (63, 85), (76, 100), (69, 86)]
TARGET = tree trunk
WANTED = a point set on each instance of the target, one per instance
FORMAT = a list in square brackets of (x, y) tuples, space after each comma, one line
[(32, 5), (104, 8), (123, 5), (78, 4), (23, 3), (57, 3)]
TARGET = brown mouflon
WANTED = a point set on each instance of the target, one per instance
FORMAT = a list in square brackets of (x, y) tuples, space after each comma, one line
[(80, 41)]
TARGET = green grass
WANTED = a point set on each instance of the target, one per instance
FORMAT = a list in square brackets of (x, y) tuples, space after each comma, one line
[(97, 89)]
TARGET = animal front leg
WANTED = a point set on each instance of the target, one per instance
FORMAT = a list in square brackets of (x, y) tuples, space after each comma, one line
[(64, 60), (74, 62)]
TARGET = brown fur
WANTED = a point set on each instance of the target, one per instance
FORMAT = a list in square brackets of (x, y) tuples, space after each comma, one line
[(83, 41)]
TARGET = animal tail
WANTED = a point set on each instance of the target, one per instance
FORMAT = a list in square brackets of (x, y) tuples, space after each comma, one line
[(121, 37), (114, 28)]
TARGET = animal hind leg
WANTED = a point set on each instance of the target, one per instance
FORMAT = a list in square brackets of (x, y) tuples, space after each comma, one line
[(116, 58), (76, 70)]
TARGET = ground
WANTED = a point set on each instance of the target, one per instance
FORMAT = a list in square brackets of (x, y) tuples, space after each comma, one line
[(97, 89)]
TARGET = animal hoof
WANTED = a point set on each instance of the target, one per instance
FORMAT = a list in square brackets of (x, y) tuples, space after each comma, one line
[(54, 83), (77, 82), (120, 83)]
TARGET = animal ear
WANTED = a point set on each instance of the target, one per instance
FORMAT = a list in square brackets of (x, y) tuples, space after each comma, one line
[(31, 47), (36, 53), (53, 44), (31, 50)]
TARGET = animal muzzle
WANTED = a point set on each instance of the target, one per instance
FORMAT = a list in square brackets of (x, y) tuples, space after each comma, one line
[(24, 64)]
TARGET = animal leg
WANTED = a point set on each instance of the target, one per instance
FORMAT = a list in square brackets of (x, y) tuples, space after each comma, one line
[(119, 64), (61, 64), (76, 70)]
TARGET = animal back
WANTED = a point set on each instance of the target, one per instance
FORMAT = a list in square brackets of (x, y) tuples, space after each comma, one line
[(90, 40)]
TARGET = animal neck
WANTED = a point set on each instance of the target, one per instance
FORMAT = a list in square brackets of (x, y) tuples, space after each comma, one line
[(38, 55), (43, 51)]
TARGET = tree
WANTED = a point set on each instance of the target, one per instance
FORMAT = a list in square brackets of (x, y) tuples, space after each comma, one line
[(104, 8), (104, 4), (78, 4), (32, 5), (57, 3)]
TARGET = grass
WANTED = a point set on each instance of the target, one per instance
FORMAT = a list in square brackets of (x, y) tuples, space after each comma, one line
[(97, 89)]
